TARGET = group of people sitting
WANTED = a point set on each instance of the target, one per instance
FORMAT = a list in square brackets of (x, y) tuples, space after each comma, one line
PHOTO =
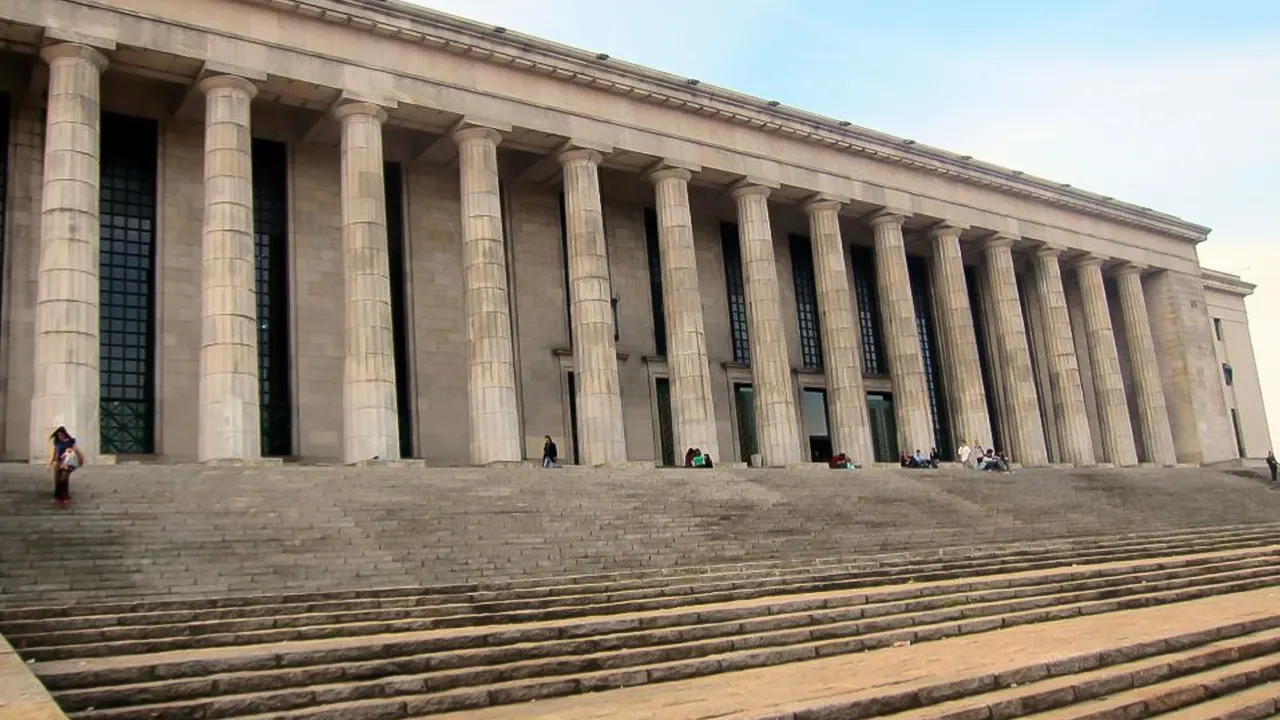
[(695, 458), (981, 458), (919, 460)]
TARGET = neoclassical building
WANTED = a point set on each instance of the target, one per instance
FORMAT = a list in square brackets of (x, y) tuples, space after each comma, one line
[(343, 230)]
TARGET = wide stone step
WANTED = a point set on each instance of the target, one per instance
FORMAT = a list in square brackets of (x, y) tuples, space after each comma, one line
[(106, 642), (490, 677), (1256, 703), (1102, 688), (732, 575), (557, 602)]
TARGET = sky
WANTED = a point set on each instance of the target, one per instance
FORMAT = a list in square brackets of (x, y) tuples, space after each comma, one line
[(1168, 104)]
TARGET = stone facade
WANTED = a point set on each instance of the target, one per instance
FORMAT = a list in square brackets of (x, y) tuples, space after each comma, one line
[(479, 255)]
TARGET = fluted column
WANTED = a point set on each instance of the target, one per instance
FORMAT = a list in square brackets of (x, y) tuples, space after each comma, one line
[(370, 420), (901, 336), (1153, 412), (66, 379), (841, 359), (776, 423), (491, 372), (1069, 409), (229, 415), (961, 369), (595, 354), (1026, 441), (688, 370), (1113, 407)]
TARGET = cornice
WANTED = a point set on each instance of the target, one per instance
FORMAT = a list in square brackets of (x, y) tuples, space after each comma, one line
[(392, 18), (1226, 282)]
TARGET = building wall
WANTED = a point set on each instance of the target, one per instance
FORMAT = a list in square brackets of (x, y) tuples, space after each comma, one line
[(1244, 395)]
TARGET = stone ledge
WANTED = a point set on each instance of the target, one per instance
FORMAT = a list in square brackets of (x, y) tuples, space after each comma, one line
[(22, 696)]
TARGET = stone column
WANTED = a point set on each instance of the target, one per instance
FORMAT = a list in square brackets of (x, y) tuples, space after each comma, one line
[(491, 372), (1153, 413), (66, 380), (776, 422), (1026, 430), (1113, 408), (229, 415), (370, 421), (692, 409), (1069, 409), (595, 354), (901, 336), (841, 356), (961, 369)]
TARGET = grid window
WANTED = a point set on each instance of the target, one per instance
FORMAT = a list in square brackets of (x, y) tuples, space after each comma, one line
[(864, 285), (4, 173), (806, 301), (655, 282), (736, 290), (393, 181), (127, 269), (988, 379), (271, 248), (918, 273)]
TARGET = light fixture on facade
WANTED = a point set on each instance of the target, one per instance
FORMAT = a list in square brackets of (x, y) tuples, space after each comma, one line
[(908, 142), (693, 81), (602, 56), (773, 103), (499, 29), (845, 123)]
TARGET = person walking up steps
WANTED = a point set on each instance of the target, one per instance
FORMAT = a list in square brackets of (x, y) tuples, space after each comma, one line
[(64, 458)]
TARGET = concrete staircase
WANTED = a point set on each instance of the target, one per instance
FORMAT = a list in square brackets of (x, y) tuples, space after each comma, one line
[(738, 588)]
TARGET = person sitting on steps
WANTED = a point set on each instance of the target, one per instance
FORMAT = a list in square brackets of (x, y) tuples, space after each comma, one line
[(695, 458), (1272, 465), (64, 458), (549, 453)]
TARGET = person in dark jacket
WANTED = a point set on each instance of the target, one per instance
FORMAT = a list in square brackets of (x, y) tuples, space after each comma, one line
[(549, 453), (1271, 465), (64, 458)]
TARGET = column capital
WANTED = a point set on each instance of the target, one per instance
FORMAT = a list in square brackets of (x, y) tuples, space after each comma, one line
[(823, 203), (233, 82), (354, 109), (667, 172), (946, 230), (749, 188), (74, 50), (473, 133), (888, 217), (1049, 250), (1130, 268), (996, 241), (1088, 260), (579, 155)]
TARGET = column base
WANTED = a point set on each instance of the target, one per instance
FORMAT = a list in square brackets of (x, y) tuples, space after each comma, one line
[(237, 462)]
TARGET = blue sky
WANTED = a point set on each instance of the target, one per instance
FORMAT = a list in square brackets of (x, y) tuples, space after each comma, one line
[(1170, 104)]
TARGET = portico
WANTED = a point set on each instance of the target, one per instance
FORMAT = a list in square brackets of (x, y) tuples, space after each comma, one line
[(467, 270)]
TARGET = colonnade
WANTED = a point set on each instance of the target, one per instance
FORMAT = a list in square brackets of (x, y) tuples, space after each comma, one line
[(66, 351)]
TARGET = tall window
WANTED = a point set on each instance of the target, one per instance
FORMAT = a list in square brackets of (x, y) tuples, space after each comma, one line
[(655, 281), (864, 285), (737, 292), (271, 247), (918, 273), (4, 173), (393, 180), (988, 378), (1217, 328), (806, 301), (127, 214)]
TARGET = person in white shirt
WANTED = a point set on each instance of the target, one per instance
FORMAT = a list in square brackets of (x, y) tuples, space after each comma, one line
[(963, 453)]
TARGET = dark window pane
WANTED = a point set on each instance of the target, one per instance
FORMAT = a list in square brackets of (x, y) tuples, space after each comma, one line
[(918, 273), (806, 301), (271, 248), (864, 286), (4, 173), (655, 281), (394, 183), (127, 215), (736, 290), (980, 335)]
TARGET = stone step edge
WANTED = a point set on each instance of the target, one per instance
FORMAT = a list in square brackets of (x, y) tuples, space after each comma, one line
[(551, 685), (1035, 694), (18, 631), (377, 647), (1256, 703), (964, 551), (176, 643), (743, 590), (227, 676), (521, 691)]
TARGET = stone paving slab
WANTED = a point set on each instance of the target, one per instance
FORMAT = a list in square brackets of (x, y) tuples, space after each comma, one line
[(157, 531), (22, 697), (786, 688)]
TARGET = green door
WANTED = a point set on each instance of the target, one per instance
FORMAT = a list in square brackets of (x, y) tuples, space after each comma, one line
[(884, 430), (744, 405), (662, 389)]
